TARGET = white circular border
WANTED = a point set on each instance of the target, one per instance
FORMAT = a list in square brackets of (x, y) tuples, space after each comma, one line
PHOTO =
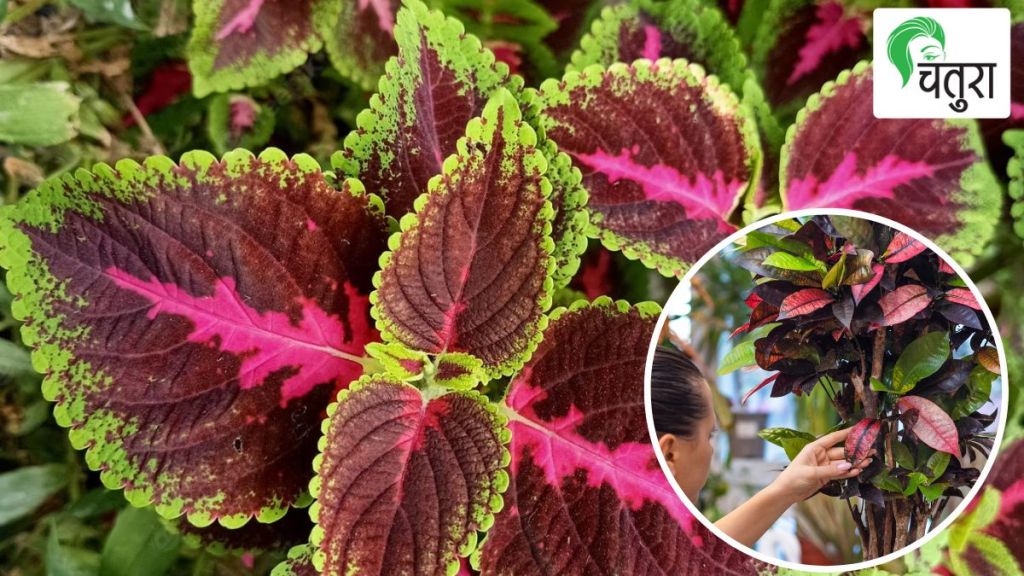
[(1003, 408)]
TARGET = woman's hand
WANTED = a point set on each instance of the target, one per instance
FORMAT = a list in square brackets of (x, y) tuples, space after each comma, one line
[(817, 464)]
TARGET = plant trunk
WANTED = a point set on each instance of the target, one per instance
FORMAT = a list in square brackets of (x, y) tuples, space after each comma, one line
[(889, 528)]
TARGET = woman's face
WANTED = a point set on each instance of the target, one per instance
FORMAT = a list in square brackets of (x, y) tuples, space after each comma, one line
[(926, 49), (689, 459)]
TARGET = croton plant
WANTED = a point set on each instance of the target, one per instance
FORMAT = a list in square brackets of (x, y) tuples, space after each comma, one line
[(234, 339), (897, 342)]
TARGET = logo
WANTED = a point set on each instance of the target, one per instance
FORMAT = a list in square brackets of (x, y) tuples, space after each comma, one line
[(942, 63)]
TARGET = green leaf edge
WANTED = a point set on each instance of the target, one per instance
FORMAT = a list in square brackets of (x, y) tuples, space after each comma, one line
[(365, 78), (554, 91), (978, 182), (476, 132), (296, 554), (1015, 171), (484, 519), (51, 360), (202, 50), (379, 121)]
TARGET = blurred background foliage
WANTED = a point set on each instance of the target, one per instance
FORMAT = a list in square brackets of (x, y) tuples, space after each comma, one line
[(86, 81)]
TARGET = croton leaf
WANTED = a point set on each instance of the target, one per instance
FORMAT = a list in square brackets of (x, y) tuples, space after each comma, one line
[(583, 469), (792, 441), (194, 320), (964, 297), (406, 478), (762, 384), (469, 272), (861, 290), (361, 38), (240, 43), (663, 205), (919, 360), (989, 358), (440, 80), (800, 45), (933, 426), (928, 174), (861, 439), (903, 303), (804, 302), (903, 247)]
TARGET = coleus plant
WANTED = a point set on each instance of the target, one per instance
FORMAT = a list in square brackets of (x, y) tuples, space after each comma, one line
[(892, 336), (232, 338)]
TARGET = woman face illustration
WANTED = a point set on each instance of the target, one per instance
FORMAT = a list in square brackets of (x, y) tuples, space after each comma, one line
[(925, 49)]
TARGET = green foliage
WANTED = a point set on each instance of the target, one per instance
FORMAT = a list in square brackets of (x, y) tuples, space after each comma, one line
[(139, 544), (41, 114), (920, 359), (25, 489)]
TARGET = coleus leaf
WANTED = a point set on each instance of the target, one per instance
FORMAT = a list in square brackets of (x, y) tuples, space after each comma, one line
[(469, 272), (903, 247), (291, 530), (933, 426), (298, 563), (804, 302), (663, 205), (903, 303), (405, 478), (439, 81), (964, 297), (801, 45), (927, 174), (238, 121), (583, 472), (241, 43), (861, 439), (193, 320), (919, 360), (361, 38)]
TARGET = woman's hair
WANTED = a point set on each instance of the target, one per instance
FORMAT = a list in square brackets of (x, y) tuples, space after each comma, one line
[(677, 397), (899, 42)]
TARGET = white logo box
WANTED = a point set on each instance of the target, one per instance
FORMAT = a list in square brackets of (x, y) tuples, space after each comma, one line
[(960, 54)]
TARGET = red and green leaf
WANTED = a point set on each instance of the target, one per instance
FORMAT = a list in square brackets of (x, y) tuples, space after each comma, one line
[(237, 121), (804, 302), (194, 320), (586, 493), (861, 290), (903, 247), (298, 563), (406, 478), (469, 272), (903, 303), (439, 81), (861, 439), (932, 425), (928, 174), (292, 530), (665, 205), (241, 43), (361, 38), (800, 45)]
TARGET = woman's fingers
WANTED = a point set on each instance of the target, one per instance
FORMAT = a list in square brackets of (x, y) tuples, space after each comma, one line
[(841, 469), (833, 438)]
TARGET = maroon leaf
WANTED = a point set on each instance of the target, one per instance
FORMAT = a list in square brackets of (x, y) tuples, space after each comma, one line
[(587, 495), (194, 320), (663, 205), (804, 302), (801, 45), (469, 272), (903, 303), (861, 439), (406, 478), (361, 38), (903, 247), (763, 383), (861, 290), (930, 175), (440, 80), (239, 43), (964, 297), (933, 426)]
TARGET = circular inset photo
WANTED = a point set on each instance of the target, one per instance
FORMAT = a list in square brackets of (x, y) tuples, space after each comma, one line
[(824, 390)]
